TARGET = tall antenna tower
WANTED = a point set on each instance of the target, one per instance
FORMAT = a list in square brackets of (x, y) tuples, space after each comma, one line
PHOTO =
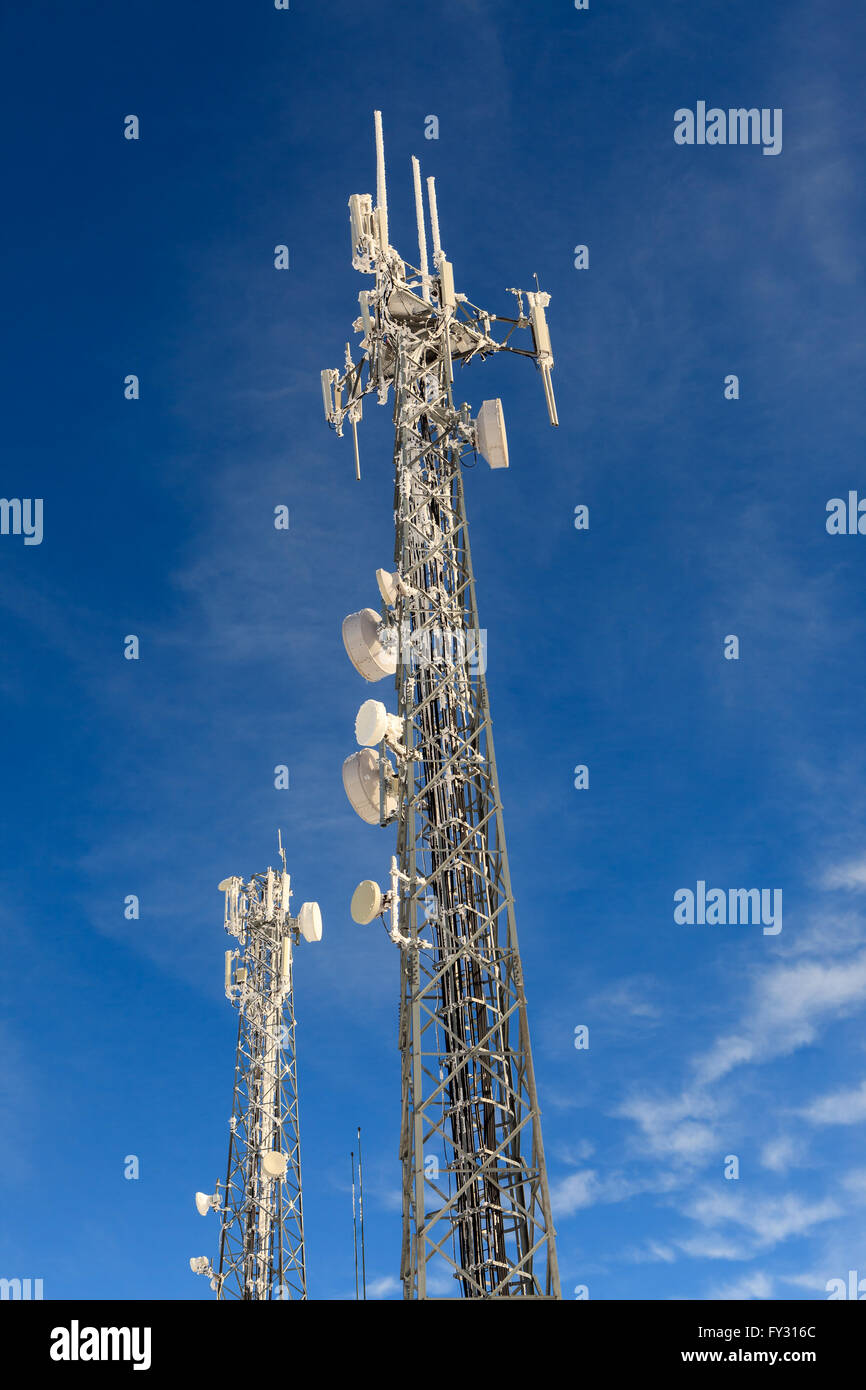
[(261, 1249), (476, 1207)]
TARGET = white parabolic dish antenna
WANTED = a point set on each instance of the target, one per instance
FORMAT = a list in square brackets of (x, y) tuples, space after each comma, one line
[(274, 1164), (203, 1203), (387, 586), (310, 921), (361, 781), (366, 902), (373, 723), (370, 658)]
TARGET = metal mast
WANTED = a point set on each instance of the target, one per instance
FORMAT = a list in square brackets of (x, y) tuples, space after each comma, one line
[(476, 1208), (261, 1249)]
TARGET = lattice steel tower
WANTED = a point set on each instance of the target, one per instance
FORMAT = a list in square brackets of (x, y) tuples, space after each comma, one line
[(261, 1249), (476, 1207)]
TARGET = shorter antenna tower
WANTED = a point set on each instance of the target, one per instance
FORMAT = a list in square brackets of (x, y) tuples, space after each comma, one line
[(261, 1249)]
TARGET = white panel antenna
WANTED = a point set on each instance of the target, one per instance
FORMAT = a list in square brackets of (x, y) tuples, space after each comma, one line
[(490, 428)]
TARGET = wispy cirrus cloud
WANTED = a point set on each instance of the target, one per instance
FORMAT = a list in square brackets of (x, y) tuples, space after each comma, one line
[(851, 874), (788, 1006), (765, 1221), (781, 1153), (589, 1188), (756, 1285), (676, 1127), (846, 1107)]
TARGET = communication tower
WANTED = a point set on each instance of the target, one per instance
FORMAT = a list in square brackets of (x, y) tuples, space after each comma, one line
[(476, 1207), (261, 1248)]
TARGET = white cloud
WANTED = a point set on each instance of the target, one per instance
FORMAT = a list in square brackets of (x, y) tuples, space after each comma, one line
[(674, 1127), (559, 1099), (588, 1189), (440, 1282), (851, 875), (788, 1004), (827, 935), (780, 1154), (627, 1000), (767, 1221), (855, 1183), (652, 1253), (838, 1108), (576, 1191), (391, 1199), (573, 1154), (751, 1286), (384, 1287), (710, 1246), (805, 1281)]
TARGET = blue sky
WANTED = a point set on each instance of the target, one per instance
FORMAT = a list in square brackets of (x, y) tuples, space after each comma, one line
[(605, 647)]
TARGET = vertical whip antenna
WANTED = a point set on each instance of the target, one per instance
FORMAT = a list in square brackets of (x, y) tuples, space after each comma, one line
[(422, 233), (434, 219), (354, 1224), (381, 190), (361, 1213)]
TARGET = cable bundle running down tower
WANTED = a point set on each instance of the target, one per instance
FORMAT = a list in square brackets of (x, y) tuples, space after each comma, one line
[(261, 1251), (476, 1207)]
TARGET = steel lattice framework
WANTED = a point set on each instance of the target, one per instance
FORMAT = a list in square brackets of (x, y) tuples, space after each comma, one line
[(261, 1249), (476, 1208)]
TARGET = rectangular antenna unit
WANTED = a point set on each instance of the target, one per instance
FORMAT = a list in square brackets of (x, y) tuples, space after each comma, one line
[(364, 239), (490, 434), (328, 376), (364, 301), (446, 283), (538, 302)]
